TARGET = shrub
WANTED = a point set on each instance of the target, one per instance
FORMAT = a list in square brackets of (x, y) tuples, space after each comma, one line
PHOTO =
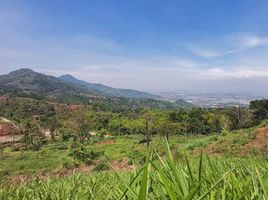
[(68, 165), (84, 155), (62, 147), (101, 167)]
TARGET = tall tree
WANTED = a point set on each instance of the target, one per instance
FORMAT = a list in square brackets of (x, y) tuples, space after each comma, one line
[(83, 124)]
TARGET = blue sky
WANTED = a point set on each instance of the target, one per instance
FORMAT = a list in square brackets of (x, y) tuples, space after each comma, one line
[(152, 45)]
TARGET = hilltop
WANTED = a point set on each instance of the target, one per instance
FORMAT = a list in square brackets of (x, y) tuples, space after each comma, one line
[(28, 83)]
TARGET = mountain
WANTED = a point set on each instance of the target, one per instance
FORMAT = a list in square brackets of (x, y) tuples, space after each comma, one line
[(28, 83), (106, 90), (67, 89)]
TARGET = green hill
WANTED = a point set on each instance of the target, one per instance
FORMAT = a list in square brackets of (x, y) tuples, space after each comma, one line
[(28, 83), (106, 90)]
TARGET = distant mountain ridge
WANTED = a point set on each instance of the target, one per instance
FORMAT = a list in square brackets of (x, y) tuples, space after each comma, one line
[(28, 83), (106, 90), (67, 89)]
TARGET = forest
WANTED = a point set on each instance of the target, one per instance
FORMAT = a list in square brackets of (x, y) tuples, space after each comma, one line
[(78, 122)]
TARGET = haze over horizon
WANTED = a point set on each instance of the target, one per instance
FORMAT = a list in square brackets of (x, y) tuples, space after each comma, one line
[(208, 46)]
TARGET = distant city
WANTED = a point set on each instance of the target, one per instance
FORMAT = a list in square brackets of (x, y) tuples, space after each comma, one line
[(213, 100)]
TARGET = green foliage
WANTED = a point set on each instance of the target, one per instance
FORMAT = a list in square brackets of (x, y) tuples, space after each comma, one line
[(21, 109), (65, 134), (101, 167), (260, 110), (136, 157), (33, 136), (101, 133), (68, 165), (30, 84), (83, 124), (159, 178), (78, 123), (62, 146), (107, 91), (119, 104), (82, 154)]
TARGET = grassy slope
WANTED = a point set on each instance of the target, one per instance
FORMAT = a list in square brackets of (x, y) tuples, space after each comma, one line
[(51, 159), (209, 178)]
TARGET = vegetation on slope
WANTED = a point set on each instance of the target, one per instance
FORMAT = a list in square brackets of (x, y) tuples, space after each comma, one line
[(159, 178), (92, 139), (27, 83), (30, 84), (107, 91)]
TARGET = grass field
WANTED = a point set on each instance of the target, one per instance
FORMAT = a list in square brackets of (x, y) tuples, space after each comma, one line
[(227, 169)]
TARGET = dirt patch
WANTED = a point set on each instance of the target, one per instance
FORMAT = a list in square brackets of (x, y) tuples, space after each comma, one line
[(122, 165), (8, 138), (3, 98), (21, 178), (7, 128), (259, 142)]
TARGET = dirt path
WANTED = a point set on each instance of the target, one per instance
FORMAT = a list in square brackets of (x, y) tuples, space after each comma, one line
[(259, 141), (8, 138), (258, 144)]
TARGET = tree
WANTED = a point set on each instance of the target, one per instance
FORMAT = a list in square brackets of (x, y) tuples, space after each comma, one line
[(51, 121), (164, 126), (83, 124), (115, 125), (240, 117), (33, 136), (198, 122), (259, 110), (149, 126)]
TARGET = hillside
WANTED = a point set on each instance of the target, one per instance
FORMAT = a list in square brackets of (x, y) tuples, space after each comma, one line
[(53, 172), (119, 104), (106, 90), (28, 83)]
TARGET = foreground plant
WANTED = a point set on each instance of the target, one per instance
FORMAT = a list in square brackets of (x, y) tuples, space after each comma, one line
[(160, 178), (203, 179)]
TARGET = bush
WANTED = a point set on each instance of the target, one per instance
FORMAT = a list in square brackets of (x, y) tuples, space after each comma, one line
[(136, 157), (76, 145), (86, 156), (4, 173), (62, 147), (35, 147), (65, 134), (68, 165), (101, 167), (101, 133)]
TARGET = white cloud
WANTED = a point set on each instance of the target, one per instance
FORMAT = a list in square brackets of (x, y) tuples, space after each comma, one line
[(250, 41), (223, 46), (218, 73), (210, 53)]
